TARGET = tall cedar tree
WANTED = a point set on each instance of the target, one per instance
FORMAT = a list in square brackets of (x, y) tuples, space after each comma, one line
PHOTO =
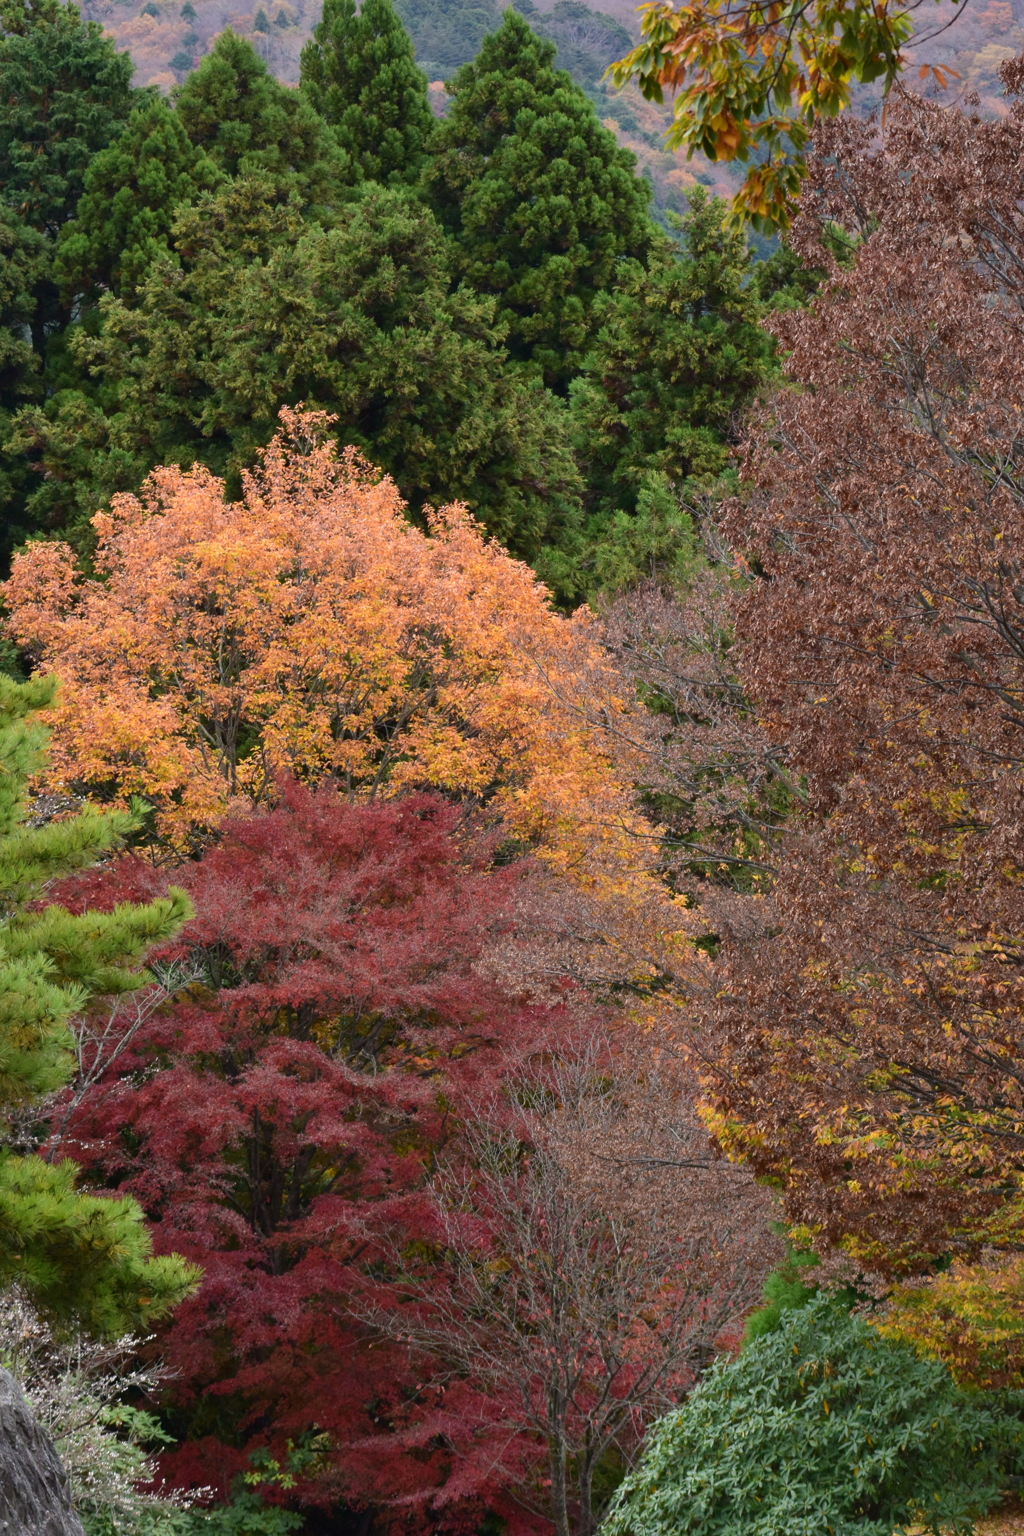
[(359, 71), (132, 190), (293, 1103), (541, 201), (24, 261), (678, 353), (24, 268), (867, 1051), (78, 1257), (261, 308), (249, 124), (66, 95)]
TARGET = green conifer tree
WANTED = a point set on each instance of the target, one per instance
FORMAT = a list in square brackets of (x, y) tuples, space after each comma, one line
[(24, 263), (359, 71), (249, 124), (24, 266), (541, 200), (679, 351), (66, 94), (132, 189), (78, 1257), (360, 319)]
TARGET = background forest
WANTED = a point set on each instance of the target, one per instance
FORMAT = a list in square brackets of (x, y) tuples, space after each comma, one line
[(510, 828)]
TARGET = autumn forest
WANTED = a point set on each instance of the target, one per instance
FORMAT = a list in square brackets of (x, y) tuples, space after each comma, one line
[(511, 810)]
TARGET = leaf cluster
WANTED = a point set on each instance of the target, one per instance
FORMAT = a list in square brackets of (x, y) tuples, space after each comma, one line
[(751, 80), (819, 1426)]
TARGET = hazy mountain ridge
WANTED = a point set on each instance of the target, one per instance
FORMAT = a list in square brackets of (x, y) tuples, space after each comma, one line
[(167, 38)]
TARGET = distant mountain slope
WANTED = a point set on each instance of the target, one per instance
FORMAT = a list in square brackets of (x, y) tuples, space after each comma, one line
[(979, 37), (167, 38)]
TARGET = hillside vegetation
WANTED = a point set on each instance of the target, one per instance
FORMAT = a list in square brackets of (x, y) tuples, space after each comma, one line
[(510, 788)]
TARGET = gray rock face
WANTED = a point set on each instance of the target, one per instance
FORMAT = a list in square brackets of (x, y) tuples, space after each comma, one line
[(34, 1497)]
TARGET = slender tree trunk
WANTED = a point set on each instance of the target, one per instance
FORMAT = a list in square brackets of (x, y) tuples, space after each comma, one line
[(585, 1523), (559, 1488), (34, 1497)]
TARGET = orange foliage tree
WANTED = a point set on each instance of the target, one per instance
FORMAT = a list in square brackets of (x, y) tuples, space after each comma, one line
[(309, 628)]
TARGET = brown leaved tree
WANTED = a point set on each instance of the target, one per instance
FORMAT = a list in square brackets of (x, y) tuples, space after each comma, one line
[(868, 1051), (597, 1254)]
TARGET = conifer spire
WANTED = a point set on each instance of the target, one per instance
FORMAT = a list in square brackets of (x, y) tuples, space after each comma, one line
[(539, 197), (251, 125), (359, 72)]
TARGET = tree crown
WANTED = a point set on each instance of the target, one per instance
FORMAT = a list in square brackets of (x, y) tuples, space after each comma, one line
[(539, 198), (359, 71)]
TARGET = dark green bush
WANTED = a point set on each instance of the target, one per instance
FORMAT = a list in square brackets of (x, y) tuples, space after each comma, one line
[(820, 1428)]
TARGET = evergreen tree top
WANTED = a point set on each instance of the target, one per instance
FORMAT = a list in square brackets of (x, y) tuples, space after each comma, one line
[(248, 123), (132, 189), (66, 93), (539, 196), (515, 69), (359, 72)]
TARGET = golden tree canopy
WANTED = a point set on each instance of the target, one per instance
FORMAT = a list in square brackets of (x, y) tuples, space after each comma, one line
[(310, 628)]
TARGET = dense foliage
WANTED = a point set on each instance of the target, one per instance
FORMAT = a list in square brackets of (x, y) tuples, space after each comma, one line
[(677, 353), (888, 542), (523, 934), (309, 1074), (819, 1426), (309, 627), (249, 124), (539, 198), (260, 308), (66, 94), (123, 219), (359, 72), (298, 1115), (427, 282), (75, 1255)]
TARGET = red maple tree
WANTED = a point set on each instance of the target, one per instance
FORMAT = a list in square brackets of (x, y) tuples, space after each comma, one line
[(337, 1048), (317, 1070)]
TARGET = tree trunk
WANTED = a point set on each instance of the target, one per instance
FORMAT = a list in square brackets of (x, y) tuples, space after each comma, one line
[(34, 1498), (585, 1477), (559, 1489)]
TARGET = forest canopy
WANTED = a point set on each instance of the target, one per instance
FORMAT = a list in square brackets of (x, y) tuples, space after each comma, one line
[(510, 815)]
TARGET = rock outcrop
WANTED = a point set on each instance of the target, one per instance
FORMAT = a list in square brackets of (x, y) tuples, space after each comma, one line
[(34, 1498)]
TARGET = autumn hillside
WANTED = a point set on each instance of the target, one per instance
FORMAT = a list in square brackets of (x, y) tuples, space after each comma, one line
[(511, 811)]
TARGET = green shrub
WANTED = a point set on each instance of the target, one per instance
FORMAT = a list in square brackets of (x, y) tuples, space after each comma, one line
[(819, 1428), (786, 1288)]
